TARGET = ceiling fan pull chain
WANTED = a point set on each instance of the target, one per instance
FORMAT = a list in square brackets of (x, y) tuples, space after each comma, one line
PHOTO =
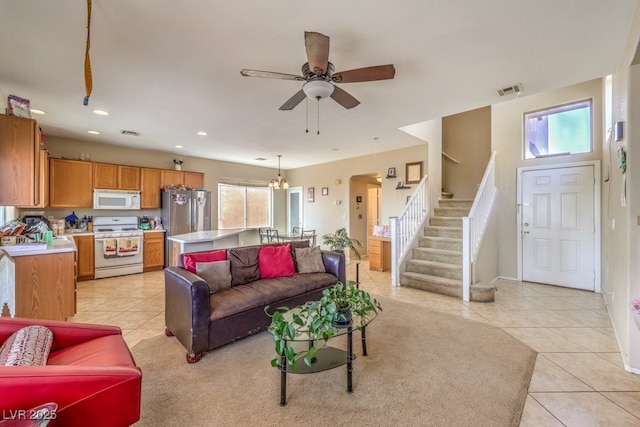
[(307, 116), (318, 98)]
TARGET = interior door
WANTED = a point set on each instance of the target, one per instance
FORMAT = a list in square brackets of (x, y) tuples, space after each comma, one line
[(558, 226), (294, 211)]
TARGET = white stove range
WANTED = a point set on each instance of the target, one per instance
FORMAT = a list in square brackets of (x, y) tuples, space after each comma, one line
[(118, 246)]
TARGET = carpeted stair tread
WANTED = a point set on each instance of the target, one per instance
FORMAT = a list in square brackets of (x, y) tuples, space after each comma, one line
[(436, 254)]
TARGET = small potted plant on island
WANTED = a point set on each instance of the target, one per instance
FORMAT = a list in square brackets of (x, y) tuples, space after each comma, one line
[(320, 319), (340, 240)]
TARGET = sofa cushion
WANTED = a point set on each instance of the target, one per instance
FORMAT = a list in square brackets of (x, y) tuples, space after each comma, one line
[(244, 265), (276, 261), (189, 260), (27, 346), (235, 300), (217, 274), (310, 260), (109, 350)]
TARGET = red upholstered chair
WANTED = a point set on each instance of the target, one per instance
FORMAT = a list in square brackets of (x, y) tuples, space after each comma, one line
[(90, 374)]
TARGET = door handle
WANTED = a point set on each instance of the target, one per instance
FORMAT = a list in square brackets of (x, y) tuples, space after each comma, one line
[(525, 232)]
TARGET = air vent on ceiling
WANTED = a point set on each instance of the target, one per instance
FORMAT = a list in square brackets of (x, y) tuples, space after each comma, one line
[(260, 159), (509, 90), (130, 132)]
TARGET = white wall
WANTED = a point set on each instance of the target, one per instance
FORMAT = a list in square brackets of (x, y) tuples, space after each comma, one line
[(621, 253), (506, 139), (324, 215)]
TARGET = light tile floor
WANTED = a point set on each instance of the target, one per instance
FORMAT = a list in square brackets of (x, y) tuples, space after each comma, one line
[(578, 379)]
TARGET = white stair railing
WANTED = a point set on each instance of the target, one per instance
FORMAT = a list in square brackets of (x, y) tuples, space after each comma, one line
[(405, 227), (474, 225)]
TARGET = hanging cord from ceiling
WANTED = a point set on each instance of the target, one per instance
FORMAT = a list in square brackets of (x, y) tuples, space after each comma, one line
[(318, 98), (307, 115), (88, 78)]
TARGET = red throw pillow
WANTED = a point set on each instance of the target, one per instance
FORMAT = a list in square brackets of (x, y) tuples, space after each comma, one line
[(189, 260), (276, 261)]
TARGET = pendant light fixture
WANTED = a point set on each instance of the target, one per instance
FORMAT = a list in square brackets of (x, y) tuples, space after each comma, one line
[(279, 182)]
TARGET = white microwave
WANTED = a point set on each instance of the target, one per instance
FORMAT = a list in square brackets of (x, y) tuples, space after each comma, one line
[(116, 199)]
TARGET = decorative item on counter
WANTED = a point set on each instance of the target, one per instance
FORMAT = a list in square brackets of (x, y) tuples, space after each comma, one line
[(71, 220), (144, 223), (158, 223), (178, 163), (90, 224)]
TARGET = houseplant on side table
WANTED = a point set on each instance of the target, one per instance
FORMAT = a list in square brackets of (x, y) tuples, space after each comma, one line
[(320, 319), (340, 240)]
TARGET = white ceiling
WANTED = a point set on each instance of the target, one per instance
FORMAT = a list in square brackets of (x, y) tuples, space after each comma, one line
[(169, 68)]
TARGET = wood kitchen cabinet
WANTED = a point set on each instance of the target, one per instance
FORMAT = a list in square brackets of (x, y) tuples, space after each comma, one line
[(150, 185), (379, 253), (193, 180), (45, 286), (70, 183), (86, 257), (153, 249), (116, 177), (171, 177), (20, 168)]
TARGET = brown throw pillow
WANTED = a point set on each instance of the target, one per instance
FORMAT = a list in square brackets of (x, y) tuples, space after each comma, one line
[(217, 274), (27, 346), (244, 265), (310, 260)]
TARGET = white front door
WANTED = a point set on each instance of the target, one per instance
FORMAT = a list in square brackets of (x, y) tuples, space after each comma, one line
[(558, 227)]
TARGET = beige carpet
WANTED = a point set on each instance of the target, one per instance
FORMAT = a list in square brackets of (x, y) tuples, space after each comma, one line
[(424, 368)]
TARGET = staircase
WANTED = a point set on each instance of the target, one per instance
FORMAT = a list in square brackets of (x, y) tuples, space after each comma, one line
[(436, 264)]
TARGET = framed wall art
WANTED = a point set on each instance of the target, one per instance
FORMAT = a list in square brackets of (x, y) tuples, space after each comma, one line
[(413, 173), (391, 173), (311, 194)]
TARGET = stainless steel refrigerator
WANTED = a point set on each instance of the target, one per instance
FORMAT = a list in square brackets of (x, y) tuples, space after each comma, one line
[(185, 211)]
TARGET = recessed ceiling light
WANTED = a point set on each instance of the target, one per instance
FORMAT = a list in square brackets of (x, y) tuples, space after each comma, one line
[(179, 146), (100, 112), (201, 133), (34, 111), (93, 132)]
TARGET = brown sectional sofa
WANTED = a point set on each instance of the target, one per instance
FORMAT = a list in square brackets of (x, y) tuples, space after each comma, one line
[(203, 317)]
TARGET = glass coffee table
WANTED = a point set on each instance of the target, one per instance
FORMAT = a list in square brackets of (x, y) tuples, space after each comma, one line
[(327, 357)]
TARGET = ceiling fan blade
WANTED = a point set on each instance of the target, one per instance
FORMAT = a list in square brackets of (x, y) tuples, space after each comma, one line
[(270, 75), (343, 98), (317, 51), (293, 101), (367, 74)]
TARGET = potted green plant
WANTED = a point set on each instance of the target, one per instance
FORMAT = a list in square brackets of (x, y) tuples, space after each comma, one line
[(321, 319), (340, 240)]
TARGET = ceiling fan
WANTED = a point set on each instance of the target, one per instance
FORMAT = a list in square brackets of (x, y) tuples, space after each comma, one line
[(320, 76)]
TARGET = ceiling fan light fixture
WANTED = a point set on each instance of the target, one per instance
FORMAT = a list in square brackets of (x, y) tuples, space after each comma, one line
[(318, 89)]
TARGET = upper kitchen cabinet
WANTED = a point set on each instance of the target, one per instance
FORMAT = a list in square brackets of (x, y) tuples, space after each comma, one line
[(171, 177), (193, 180), (20, 168), (70, 183), (116, 177), (150, 186)]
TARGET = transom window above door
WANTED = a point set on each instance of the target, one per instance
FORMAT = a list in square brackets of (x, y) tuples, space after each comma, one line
[(560, 130)]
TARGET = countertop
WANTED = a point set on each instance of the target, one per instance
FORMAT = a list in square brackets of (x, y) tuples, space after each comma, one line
[(205, 236), (59, 244), (91, 233)]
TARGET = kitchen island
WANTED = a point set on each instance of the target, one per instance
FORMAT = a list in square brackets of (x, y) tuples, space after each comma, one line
[(203, 241), (44, 280)]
